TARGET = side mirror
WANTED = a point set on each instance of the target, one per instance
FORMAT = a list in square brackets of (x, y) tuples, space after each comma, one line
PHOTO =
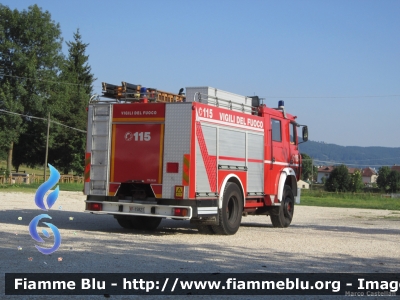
[(305, 134)]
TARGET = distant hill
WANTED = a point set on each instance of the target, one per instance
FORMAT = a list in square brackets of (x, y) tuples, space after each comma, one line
[(330, 154)]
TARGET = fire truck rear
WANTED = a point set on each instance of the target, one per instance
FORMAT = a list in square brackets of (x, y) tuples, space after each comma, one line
[(209, 156)]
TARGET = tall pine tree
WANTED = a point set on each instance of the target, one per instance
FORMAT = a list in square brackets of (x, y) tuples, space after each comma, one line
[(68, 152)]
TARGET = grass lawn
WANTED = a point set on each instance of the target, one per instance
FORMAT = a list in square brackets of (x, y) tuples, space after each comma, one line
[(31, 188), (349, 200), (24, 168), (310, 198)]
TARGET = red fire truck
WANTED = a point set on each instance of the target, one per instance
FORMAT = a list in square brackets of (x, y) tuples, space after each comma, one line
[(207, 156)]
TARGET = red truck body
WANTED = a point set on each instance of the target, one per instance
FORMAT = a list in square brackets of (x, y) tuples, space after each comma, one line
[(209, 160)]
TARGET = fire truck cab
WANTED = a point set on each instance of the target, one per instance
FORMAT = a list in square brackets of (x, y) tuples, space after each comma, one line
[(209, 156)]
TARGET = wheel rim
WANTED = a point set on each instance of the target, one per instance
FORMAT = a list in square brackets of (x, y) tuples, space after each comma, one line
[(288, 207)]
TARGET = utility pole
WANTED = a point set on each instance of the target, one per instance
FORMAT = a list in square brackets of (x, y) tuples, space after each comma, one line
[(47, 146), (312, 173)]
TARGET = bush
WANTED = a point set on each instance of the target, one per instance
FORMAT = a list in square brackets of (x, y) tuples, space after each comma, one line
[(339, 180)]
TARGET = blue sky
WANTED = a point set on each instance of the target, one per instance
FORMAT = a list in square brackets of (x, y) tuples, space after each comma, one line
[(336, 64)]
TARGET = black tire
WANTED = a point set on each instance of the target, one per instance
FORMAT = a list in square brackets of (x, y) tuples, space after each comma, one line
[(282, 216), (139, 222), (125, 223), (230, 215), (145, 223)]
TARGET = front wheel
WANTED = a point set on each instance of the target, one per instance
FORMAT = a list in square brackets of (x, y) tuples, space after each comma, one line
[(282, 216), (230, 215)]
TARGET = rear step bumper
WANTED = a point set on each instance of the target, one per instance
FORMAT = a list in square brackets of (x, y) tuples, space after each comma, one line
[(139, 209), (164, 208)]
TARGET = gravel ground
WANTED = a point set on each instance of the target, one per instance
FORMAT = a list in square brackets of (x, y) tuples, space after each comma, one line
[(320, 240)]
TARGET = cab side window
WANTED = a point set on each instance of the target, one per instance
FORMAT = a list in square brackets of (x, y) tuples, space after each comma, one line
[(276, 130), (292, 132)]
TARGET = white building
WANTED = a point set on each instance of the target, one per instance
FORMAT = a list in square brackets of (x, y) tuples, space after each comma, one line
[(303, 185)]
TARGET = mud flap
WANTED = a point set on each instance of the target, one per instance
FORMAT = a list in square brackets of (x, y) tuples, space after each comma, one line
[(211, 220)]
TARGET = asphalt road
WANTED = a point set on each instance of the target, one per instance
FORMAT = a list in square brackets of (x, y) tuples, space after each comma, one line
[(319, 240)]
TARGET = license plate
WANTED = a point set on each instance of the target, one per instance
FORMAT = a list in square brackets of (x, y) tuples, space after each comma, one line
[(136, 209)]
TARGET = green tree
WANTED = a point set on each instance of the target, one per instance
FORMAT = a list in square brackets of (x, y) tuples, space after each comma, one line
[(393, 180), (339, 180), (308, 169), (382, 180), (76, 67), (30, 57), (10, 124), (68, 152), (3, 155), (356, 183)]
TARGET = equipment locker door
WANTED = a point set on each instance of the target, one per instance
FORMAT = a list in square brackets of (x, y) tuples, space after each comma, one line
[(137, 152)]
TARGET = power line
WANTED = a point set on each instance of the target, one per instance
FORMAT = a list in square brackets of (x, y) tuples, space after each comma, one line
[(361, 160), (312, 159), (283, 97), (14, 113), (347, 164), (27, 116), (43, 80), (333, 97), (84, 131), (378, 158)]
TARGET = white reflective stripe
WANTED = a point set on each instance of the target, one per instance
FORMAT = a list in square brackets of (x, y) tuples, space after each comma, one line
[(280, 163), (229, 124), (221, 195), (282, 179), (207, 210)]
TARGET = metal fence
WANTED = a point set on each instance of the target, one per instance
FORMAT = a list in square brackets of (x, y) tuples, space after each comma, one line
[(33, 178), (390, 196)]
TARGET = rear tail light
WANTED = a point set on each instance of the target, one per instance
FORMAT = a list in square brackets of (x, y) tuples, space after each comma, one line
[(180, 212), (94, 206)]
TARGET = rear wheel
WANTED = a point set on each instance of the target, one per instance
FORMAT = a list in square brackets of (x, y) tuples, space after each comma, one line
[(282, 216), (145, 223), (139, 222), (125, 223), (205, 229), (230, 215)]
